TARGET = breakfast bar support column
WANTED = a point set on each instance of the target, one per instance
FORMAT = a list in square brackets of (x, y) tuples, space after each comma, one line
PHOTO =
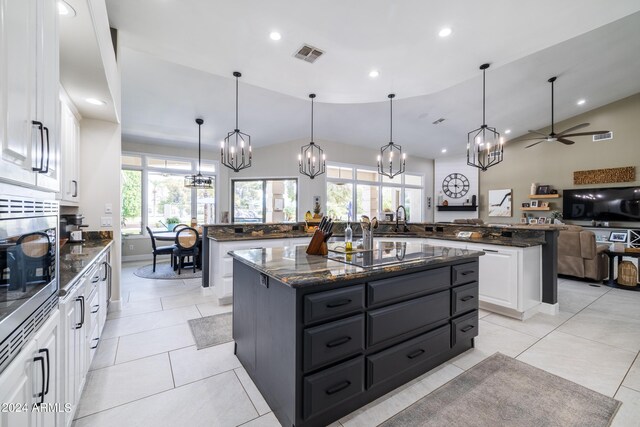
[(205, 256), (550, 267)]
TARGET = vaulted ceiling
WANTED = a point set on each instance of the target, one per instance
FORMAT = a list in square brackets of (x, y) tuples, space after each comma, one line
[(177, 56)]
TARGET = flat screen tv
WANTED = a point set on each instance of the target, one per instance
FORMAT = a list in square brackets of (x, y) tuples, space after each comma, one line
[(602, 204)]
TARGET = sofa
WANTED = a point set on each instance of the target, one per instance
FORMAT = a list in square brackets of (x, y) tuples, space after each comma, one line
[(580, 256)]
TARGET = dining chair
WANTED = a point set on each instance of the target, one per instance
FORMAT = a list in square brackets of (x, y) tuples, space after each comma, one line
[(186, 246), (180, 227), (159, 250)]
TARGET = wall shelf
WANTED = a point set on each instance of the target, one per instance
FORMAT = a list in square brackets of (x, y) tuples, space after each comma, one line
[(544, 196), (459, 208), (537, 209)]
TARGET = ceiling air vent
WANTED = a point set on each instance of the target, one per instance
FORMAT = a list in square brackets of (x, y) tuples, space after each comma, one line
[(308, 53), (603, 136), (437, 122)]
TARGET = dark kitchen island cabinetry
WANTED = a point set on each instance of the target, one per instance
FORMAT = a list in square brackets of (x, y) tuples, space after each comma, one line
[(323, 336)]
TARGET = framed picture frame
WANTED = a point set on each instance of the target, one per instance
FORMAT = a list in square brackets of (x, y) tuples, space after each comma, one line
[(548, 220), (541, 220), (543, 189), (525, 205), (544, 204), (534, 203), (618, 236), (533, 221), (500, 202), (524, 220)]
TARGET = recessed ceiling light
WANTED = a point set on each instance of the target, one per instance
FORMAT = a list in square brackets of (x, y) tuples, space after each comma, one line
[(94, 101), (65, 9), (581, 101), (444, 150), (374, 73), (507, 132), (274, 35), (445, 32)]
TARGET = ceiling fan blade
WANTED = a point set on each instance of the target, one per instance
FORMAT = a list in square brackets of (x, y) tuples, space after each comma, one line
[(535, 143), (595, 132), (566, 141), (538, 133), (580, 126)]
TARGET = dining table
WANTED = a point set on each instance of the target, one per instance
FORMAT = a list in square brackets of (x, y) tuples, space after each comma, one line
[(170, 236)]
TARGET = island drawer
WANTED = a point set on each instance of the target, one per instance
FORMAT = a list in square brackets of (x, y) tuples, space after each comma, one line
[(464, 298), (330, 304), (397, 319), (388, 363), (464, 327), (381, 291), (333, 386), (465, 273), (333, 341)]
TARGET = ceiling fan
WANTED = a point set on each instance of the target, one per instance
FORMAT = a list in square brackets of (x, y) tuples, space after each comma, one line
[(561, 136)]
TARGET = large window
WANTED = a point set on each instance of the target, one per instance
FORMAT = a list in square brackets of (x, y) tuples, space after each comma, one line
[(353, 191), (265, 200), (153, 193)]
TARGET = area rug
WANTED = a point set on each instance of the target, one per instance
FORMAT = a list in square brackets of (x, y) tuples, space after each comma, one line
[(502, 391), (165, 271), (211, 330)]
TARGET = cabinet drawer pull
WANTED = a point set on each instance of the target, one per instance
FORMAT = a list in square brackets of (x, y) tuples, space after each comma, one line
[(415, 353), (338, 342), (339, 387), (95, 346), (464, 273), (489, 250), (97, 308), (339, 303), (467, 298), (467, 328)]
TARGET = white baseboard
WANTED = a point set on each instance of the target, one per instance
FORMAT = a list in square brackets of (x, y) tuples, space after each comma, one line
[(133, 258), (115, 305), (552, 309)]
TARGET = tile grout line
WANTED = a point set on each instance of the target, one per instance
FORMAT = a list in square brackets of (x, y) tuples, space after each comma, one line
[(173, 378), (247, 393), (625, 376)]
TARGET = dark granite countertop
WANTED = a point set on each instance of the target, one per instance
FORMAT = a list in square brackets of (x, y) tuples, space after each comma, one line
[(501, 241), (75, 259), (291, 264), (240, 237)]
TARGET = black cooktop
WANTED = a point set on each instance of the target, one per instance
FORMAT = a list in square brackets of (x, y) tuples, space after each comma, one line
[(385, 253)]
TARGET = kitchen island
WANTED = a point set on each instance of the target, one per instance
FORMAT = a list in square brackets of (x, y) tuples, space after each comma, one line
[(323, 336)]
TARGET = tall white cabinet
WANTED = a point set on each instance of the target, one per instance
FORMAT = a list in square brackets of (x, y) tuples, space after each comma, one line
[(29, 76), (70, 151)]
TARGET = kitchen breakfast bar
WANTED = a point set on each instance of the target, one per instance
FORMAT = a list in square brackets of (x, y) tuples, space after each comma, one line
[(321, 336)]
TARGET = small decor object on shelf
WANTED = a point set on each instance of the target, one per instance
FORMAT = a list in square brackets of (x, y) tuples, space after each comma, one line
[(387, 151), (553, 191), (534, 187), (533, 221), (543, 189), (548, 220), (534, 203), (500, 202), (445, 203), (541, 220), (526, 205), (235, 150), (524, 220), (618, 236), (485, 147), (544, 204)]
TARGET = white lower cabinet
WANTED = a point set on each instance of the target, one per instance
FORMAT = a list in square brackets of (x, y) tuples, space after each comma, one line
[(221, 264), (30, 385), (510, 279)]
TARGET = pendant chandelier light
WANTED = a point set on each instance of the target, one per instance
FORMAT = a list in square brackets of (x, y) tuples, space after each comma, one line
[(385, 158), (198, 180), (311, 159), (484, 145), (235, 150)]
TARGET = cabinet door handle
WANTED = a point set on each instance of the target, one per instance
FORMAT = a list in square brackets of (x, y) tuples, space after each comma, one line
[(338, 342), (95, 346), (338, 387), (81, 299), (41, 394), (339, 303), (467, 328), (46, 352), (75, 188), (415, 353), (106, 272), (46, 168), (109, 287), (467, 298), (41, 128)]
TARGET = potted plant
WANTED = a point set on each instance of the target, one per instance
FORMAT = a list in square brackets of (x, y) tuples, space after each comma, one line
[(557, 217), (172, 222)]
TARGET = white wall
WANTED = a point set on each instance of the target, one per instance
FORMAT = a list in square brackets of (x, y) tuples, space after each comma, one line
[(100, 152), (444, 167)]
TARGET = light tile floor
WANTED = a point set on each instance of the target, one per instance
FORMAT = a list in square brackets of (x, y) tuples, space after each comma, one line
[(147, 370)]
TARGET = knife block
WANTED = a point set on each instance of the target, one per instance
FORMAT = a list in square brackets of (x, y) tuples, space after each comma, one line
[(317, 246)]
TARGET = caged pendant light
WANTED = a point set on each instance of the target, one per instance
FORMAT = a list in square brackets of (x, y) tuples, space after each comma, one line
[(235, 150), (385, 158), (198, 180), (485, 147), (311, 159)]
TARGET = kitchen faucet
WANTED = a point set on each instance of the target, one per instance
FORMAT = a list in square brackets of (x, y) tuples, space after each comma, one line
[(404, 219)]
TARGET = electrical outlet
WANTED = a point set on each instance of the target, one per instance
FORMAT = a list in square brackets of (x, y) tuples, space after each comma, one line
[(106, 221), (130, 247), (108, 208)]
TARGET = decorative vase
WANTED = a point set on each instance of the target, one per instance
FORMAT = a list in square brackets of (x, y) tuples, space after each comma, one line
[(534, 187)]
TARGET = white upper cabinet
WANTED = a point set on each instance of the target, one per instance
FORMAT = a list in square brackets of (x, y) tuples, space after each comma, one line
[(69, 151), (29, 75)]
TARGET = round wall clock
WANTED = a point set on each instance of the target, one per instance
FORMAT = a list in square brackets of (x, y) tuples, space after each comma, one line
[(455, 185)]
